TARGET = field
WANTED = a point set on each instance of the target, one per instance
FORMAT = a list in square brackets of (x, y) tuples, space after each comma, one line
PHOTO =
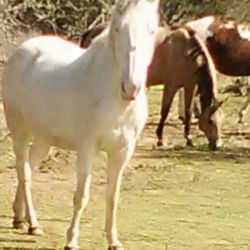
[(175, 198)]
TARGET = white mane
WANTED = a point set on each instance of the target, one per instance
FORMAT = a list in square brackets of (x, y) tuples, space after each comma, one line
[(201, 27)]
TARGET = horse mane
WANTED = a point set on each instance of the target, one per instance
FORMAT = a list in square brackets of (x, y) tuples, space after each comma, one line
[(206, 72), (122, 5), (100, 40), (84, 37)]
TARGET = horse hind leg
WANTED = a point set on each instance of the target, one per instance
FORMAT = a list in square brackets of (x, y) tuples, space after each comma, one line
[(20, 147), (18, 208), (167, 100), (20, 143), (38, 151), (25, 161)]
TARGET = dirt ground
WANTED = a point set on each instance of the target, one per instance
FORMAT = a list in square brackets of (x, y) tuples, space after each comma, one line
[(175, 198)]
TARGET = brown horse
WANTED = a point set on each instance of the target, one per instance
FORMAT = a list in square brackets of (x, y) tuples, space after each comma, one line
[(181, 60), (229, 45)]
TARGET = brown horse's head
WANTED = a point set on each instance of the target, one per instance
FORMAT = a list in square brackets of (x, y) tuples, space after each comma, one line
[(211, 116), (210, 123)]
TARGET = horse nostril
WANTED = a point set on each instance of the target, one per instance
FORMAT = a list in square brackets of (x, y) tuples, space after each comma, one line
[(130, 90)]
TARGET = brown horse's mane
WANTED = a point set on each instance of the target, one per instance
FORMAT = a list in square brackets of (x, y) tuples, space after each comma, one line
[(205, 71)]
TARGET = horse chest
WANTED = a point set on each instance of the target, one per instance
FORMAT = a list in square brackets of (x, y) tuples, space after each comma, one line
[(116, 131)]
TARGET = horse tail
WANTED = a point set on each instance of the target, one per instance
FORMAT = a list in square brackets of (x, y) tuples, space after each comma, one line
[(206, 69)]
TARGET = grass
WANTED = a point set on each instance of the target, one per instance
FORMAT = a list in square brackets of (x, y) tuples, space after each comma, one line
[(176, 198)]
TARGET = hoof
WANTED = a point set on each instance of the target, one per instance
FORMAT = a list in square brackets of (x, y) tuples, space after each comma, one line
[(35, 231), (70, 248), (160, 143), (190, 143), (19, 224), (115, 247)]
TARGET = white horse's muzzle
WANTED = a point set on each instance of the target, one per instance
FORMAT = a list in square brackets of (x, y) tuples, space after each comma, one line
[(130, 91)]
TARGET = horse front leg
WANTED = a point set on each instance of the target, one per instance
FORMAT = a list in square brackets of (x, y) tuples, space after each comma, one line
[(117, 160), (167, 100), (84, 162), (188, 114)]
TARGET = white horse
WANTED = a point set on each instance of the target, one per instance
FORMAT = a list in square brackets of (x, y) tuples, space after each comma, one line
[(55, 93)]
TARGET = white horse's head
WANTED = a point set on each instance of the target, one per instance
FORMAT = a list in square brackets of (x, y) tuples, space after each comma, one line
[(132, 36)]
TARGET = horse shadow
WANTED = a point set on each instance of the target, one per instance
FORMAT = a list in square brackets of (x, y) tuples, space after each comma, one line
[(4, 230), (25, 248), (200, 153)]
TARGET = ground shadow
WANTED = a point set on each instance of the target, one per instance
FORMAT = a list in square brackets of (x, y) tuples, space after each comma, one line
[(201, 153), (26, 248)]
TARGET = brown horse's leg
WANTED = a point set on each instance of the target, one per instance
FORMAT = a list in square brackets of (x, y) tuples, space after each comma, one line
[(189, 94), (167, 100), (181, 105)]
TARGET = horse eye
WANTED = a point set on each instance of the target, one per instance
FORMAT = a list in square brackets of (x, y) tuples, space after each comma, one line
[(210, 122)]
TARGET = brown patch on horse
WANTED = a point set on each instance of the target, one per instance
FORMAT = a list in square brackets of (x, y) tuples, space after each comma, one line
[(229, 46)]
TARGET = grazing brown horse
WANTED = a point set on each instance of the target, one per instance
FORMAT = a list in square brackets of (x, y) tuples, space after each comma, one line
[(181, 60), (228, 44)]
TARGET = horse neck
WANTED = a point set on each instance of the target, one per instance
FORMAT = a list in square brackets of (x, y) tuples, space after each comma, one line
[(206, 74), (205, 87)]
